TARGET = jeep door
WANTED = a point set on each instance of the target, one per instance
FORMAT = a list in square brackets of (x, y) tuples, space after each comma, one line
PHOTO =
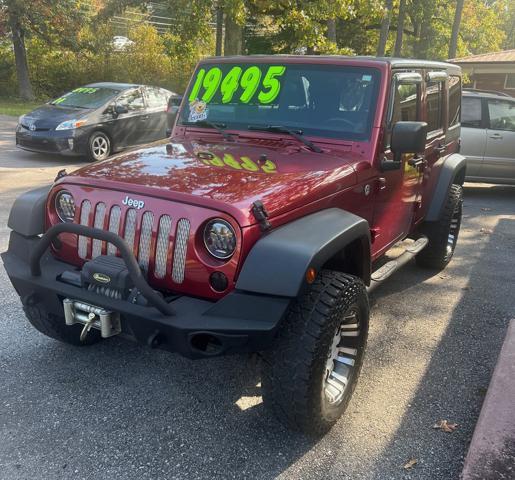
[(499, 160), (129, 128), (398, 190), (473, 134)]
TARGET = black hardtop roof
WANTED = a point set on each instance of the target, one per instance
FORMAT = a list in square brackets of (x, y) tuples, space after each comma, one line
[(395, 62)]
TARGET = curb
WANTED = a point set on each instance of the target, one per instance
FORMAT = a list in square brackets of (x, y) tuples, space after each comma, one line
[(491, 454)]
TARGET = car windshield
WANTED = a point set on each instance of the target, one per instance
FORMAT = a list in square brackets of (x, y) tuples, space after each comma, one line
[(86, 97), (329, 101)]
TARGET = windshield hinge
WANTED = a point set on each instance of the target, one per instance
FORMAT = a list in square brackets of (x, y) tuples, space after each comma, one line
[(261, 215), (60, 174)]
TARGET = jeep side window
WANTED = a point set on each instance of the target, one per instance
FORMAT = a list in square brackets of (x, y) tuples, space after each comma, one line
[(405, 99), (454, 100), (435, 102)]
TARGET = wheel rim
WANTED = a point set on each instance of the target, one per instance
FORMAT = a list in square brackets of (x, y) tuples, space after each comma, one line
[(454, 229), (342, 357), (100, 147)]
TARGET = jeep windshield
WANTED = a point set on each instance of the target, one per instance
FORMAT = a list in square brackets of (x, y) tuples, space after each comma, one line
[(85, 97), (330, 101)]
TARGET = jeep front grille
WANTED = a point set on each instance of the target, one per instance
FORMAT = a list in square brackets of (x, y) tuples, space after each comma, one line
[(147, 234)]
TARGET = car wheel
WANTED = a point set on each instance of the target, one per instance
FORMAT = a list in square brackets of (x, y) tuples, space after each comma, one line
[(99, 147), (309, 377), (443, 234)]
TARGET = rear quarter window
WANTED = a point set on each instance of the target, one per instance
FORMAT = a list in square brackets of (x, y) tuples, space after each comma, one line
[(454, 100)]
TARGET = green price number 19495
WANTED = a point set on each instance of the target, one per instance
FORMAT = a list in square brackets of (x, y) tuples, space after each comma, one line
[(249, 80)]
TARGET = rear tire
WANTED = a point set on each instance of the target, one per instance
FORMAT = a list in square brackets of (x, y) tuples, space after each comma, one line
[(443, 234), (99, 147), (54, 326), (309, 377)]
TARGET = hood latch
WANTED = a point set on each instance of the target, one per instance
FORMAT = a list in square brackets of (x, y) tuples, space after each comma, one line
[(261, 215)]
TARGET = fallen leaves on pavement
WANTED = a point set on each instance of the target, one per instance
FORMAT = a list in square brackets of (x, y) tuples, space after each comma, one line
[(445, 426), (410, 464), (486, 231)]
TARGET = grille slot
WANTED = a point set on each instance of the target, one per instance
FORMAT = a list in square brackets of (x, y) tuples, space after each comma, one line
[(144, 240), (130, 228), (84, 220), (100, 212), (142, 232), (114, 227), (163, 241), (181, 246)]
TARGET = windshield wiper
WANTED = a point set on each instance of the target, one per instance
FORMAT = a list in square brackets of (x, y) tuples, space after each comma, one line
[(219, 127), (294, 133), (68, 106)]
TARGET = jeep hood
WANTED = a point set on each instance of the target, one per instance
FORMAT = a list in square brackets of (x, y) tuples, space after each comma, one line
[(228, 177)]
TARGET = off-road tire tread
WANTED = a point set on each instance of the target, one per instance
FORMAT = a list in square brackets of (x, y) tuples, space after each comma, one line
[(289, 370), (435, 256), (54, 326)]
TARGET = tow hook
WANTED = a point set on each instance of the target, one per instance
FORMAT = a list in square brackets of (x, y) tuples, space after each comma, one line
[(91, 317)]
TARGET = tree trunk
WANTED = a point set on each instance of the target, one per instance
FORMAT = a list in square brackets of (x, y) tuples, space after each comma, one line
[(400, 29), (385, 29), (453, 45), (233, 44), (219, 30), (331, 30), (20, 57)]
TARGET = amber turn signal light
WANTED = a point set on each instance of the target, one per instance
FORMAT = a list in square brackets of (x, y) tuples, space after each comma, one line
[(311, 274)]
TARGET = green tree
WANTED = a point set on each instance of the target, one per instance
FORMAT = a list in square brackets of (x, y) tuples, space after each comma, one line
[(54, 21)]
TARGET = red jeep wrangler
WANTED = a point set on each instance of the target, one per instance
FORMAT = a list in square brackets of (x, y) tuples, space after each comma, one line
[(261, 226)]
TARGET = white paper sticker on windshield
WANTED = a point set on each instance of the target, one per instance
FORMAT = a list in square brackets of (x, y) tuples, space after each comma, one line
[(198, 111), (366, 78)]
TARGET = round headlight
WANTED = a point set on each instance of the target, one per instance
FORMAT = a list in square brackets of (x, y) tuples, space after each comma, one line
[(220, 238), (65, 206)]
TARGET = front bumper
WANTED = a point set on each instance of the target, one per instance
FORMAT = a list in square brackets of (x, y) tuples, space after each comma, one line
[(240, 322), (65, 142)]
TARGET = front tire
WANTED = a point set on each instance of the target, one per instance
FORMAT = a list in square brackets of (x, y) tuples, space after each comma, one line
[(99, 147), (309, 377), (443, 234)]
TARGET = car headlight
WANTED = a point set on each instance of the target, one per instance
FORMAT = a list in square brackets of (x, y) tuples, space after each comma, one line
[(219, 238), (20, 119), (65, 206), (71, 124)]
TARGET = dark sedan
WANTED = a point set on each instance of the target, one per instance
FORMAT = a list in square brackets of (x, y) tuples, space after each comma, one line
[(96, 120)]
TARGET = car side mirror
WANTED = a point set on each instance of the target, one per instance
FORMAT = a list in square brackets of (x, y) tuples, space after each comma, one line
[(120, 109), (406, 137)]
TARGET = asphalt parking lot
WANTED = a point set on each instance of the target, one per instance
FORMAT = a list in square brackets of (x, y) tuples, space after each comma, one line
[(122, 411)]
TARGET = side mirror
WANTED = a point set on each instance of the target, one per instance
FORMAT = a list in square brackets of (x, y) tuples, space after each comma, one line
[(120, 109), (406, 137)]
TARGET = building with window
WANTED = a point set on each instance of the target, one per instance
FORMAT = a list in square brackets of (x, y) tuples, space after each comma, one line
[(490, 71)]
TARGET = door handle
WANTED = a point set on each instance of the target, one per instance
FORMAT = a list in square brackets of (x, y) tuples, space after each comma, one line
[(416, 162), (145, 117), (496, 136)]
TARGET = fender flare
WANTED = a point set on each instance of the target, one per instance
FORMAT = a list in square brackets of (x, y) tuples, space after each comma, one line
[(452, 171), (27, 215), (277, 263)]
